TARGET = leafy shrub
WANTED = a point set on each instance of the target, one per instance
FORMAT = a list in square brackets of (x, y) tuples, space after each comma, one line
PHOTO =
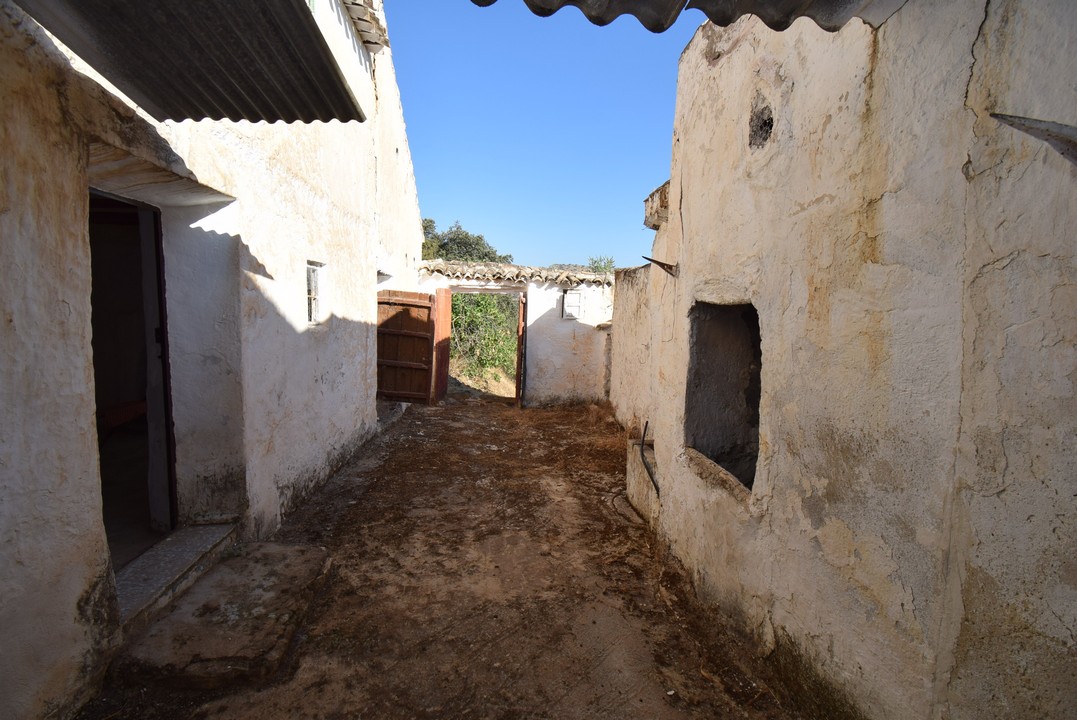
[(600, 264), (483, 326), (484, 331)]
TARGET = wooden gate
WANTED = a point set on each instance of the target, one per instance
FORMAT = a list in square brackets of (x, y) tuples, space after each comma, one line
[(521, 349), (413, 345)]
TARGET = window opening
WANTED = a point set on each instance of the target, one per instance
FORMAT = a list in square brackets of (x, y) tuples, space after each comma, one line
[(570, 304), (721, 418), (314, 270)]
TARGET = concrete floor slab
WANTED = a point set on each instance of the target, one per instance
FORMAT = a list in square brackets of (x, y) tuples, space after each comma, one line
[(235, 624)]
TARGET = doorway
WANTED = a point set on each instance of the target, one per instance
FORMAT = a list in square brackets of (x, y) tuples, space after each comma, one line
[(131, 376), (489, 343), (487, 333)]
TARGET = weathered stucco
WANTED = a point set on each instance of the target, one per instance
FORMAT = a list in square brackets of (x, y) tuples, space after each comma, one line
[(630, 371), (56, 604), (264, 403), (566, 357), (911, 261), (1016, 648)]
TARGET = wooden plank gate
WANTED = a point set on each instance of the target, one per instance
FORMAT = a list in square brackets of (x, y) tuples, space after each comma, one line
[(413, 345), (521, 349)]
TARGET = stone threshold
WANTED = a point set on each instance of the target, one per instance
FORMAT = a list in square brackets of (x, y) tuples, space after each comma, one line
[(236, 624), (146, 586)]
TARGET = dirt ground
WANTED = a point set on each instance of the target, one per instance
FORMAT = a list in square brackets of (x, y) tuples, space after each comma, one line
[(486, 566), (492, 381)]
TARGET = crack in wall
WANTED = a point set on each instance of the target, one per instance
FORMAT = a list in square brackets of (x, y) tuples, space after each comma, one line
[(955, 525), (975, 60)]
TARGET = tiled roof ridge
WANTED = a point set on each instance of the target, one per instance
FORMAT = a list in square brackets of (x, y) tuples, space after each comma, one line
[(491, 271)]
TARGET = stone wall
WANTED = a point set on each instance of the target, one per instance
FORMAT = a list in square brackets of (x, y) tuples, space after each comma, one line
[(911, 262), (265, 403)]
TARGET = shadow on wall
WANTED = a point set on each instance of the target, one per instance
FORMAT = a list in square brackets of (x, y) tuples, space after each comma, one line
[(202, 296), (265, 402), (246, 388), (309, 405), (262, 409)]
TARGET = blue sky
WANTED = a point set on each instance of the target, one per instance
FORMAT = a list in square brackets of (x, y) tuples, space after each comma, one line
[(543, 134)]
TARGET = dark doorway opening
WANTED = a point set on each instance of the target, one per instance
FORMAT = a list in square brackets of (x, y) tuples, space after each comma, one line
[(721, 413), (130, 376)]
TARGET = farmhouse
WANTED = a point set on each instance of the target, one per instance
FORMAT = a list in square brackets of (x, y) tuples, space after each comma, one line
[(190, 268), (847, 375), (856, 367)]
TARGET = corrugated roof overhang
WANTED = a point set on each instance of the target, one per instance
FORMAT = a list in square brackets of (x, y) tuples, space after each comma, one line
[(207, 59), (659, 15)]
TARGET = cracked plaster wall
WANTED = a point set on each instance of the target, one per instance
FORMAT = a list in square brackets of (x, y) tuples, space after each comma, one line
[(1016, 648), (911, 259)]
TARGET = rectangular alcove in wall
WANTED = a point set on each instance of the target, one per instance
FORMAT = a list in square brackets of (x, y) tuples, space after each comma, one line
[(721, 408)]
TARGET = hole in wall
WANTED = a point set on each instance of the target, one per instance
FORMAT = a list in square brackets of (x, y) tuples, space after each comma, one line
[(721, 413), (760, 124)]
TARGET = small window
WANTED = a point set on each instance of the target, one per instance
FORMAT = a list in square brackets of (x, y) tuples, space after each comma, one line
[(721, 408), (571, 302), (314, 310)]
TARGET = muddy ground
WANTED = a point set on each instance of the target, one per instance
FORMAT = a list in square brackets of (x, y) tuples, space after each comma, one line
[(485, 566)]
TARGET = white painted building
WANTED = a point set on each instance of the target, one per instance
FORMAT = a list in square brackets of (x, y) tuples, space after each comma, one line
[(859, 383), (195, 296), (567, 323)]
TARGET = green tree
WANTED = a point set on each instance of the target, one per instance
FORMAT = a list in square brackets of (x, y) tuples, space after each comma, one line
[(600, 264), (484, 332), (431, 240), (483, 326), (456, 243)]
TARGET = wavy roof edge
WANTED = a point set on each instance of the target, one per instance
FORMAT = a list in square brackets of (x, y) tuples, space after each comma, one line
[(254, 60), (505, 272), (659, 15)]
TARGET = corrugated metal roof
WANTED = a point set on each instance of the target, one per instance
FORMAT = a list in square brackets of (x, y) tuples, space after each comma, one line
[(514, 274), (197, 59), (659, 15)]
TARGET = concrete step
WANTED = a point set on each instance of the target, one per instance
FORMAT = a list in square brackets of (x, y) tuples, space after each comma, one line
[(146, 586), (235, 624)]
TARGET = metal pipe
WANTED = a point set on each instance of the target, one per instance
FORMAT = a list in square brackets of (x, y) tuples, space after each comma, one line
[(643, 459)]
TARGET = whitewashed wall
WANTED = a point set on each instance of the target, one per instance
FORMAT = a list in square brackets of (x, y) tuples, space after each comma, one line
[(908, 539), (200, 277), (264, 404), (566, 357)]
